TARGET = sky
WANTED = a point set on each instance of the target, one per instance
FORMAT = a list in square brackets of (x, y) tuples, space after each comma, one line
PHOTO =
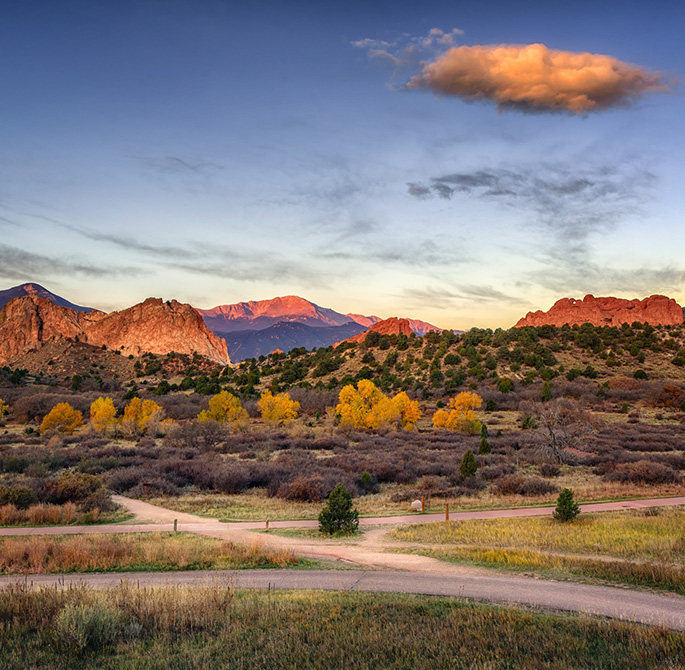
[(459, 163)]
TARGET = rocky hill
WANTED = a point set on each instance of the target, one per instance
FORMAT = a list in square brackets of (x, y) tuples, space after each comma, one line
[(655, 310), (394, 326), (27, 323)]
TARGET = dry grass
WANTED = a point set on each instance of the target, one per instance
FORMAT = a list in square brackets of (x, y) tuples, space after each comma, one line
[(657, 536), (255, 505), (57, 515), (154, 551), (645, 548), (217, 627)]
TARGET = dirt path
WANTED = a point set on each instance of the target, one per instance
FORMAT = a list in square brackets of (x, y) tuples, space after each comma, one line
[(409, 573), (634, 606)]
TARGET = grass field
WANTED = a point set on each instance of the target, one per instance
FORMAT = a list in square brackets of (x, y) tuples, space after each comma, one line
[(217, 627), (255, 505), (126, 552), (638, 547)]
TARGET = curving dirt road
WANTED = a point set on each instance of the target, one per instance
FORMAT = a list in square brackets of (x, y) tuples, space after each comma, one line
[(417, 574)]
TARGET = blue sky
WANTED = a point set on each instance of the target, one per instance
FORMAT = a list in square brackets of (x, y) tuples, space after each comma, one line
[(216, 151)]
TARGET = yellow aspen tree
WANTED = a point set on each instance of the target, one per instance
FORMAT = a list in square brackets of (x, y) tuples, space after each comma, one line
[(355, 404), (408, 410), (139, 415), (103, 415), (277, 409), (62, 418), (225, 408), (461, 415), (4, 407)]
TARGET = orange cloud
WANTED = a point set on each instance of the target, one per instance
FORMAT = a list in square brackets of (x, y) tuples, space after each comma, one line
[(535, 78)]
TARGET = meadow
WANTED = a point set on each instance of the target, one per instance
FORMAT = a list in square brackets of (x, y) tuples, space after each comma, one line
[(218, 627)]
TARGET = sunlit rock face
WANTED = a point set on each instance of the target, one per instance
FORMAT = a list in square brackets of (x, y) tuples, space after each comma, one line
[(395, 326), (155, 326), (655, 310)]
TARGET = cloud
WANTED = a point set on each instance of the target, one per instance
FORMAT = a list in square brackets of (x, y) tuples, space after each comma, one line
[(16, 263), (571, 204), (534, 78), (178, 165), (458, 295)]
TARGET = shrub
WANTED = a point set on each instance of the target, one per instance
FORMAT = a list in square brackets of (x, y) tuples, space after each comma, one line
[(549, 470), (22, 497), (484, 447), (567, 509), (517, 484), (643, 472), (89, 626), (338, 516), (310, 488)]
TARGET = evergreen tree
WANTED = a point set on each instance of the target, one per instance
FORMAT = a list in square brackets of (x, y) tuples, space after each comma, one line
[(484, 447), (567, 509), (468, 465), (546, 392), (338, 516)]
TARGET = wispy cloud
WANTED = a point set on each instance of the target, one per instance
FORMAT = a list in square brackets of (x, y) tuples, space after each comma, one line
[(180, 165), (457, 296), (571, 204), (17, 263)]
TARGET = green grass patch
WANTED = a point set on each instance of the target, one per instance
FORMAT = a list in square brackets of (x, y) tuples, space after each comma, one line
[(215, 627)]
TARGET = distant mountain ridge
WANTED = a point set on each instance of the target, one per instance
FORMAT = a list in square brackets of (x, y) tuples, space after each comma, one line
[(32, 288), (284, 335), (262, 314)]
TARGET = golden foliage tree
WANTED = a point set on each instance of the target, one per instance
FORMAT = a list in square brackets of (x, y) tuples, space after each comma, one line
[(366, 406), (4, 407), (139, 415), (225, 408), (103, 415), (461, 415), (62, 418), (277, 409)]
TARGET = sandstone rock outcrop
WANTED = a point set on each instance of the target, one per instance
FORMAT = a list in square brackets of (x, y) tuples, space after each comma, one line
[(655, 310), (155, 326), (392, 326)]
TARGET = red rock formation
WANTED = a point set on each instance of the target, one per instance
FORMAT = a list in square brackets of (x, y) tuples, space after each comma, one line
[(154, 326), (655, 310), (392, 326)]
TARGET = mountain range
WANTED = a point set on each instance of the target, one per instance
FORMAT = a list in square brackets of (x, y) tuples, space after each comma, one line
[(242, 330)]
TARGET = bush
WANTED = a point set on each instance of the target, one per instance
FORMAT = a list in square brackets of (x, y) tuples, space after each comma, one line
[(567, 509), (525, 486), (643, 472), (484, 447), (338, 516), (22, 497), (89, 627)]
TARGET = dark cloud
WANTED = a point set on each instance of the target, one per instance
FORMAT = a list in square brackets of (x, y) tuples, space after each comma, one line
[(19, 264), (570, 204)]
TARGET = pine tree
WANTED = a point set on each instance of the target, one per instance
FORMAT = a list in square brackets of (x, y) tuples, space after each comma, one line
[(338, 516), (567, 509), (468, 465), (484, 447), (546, 392)]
